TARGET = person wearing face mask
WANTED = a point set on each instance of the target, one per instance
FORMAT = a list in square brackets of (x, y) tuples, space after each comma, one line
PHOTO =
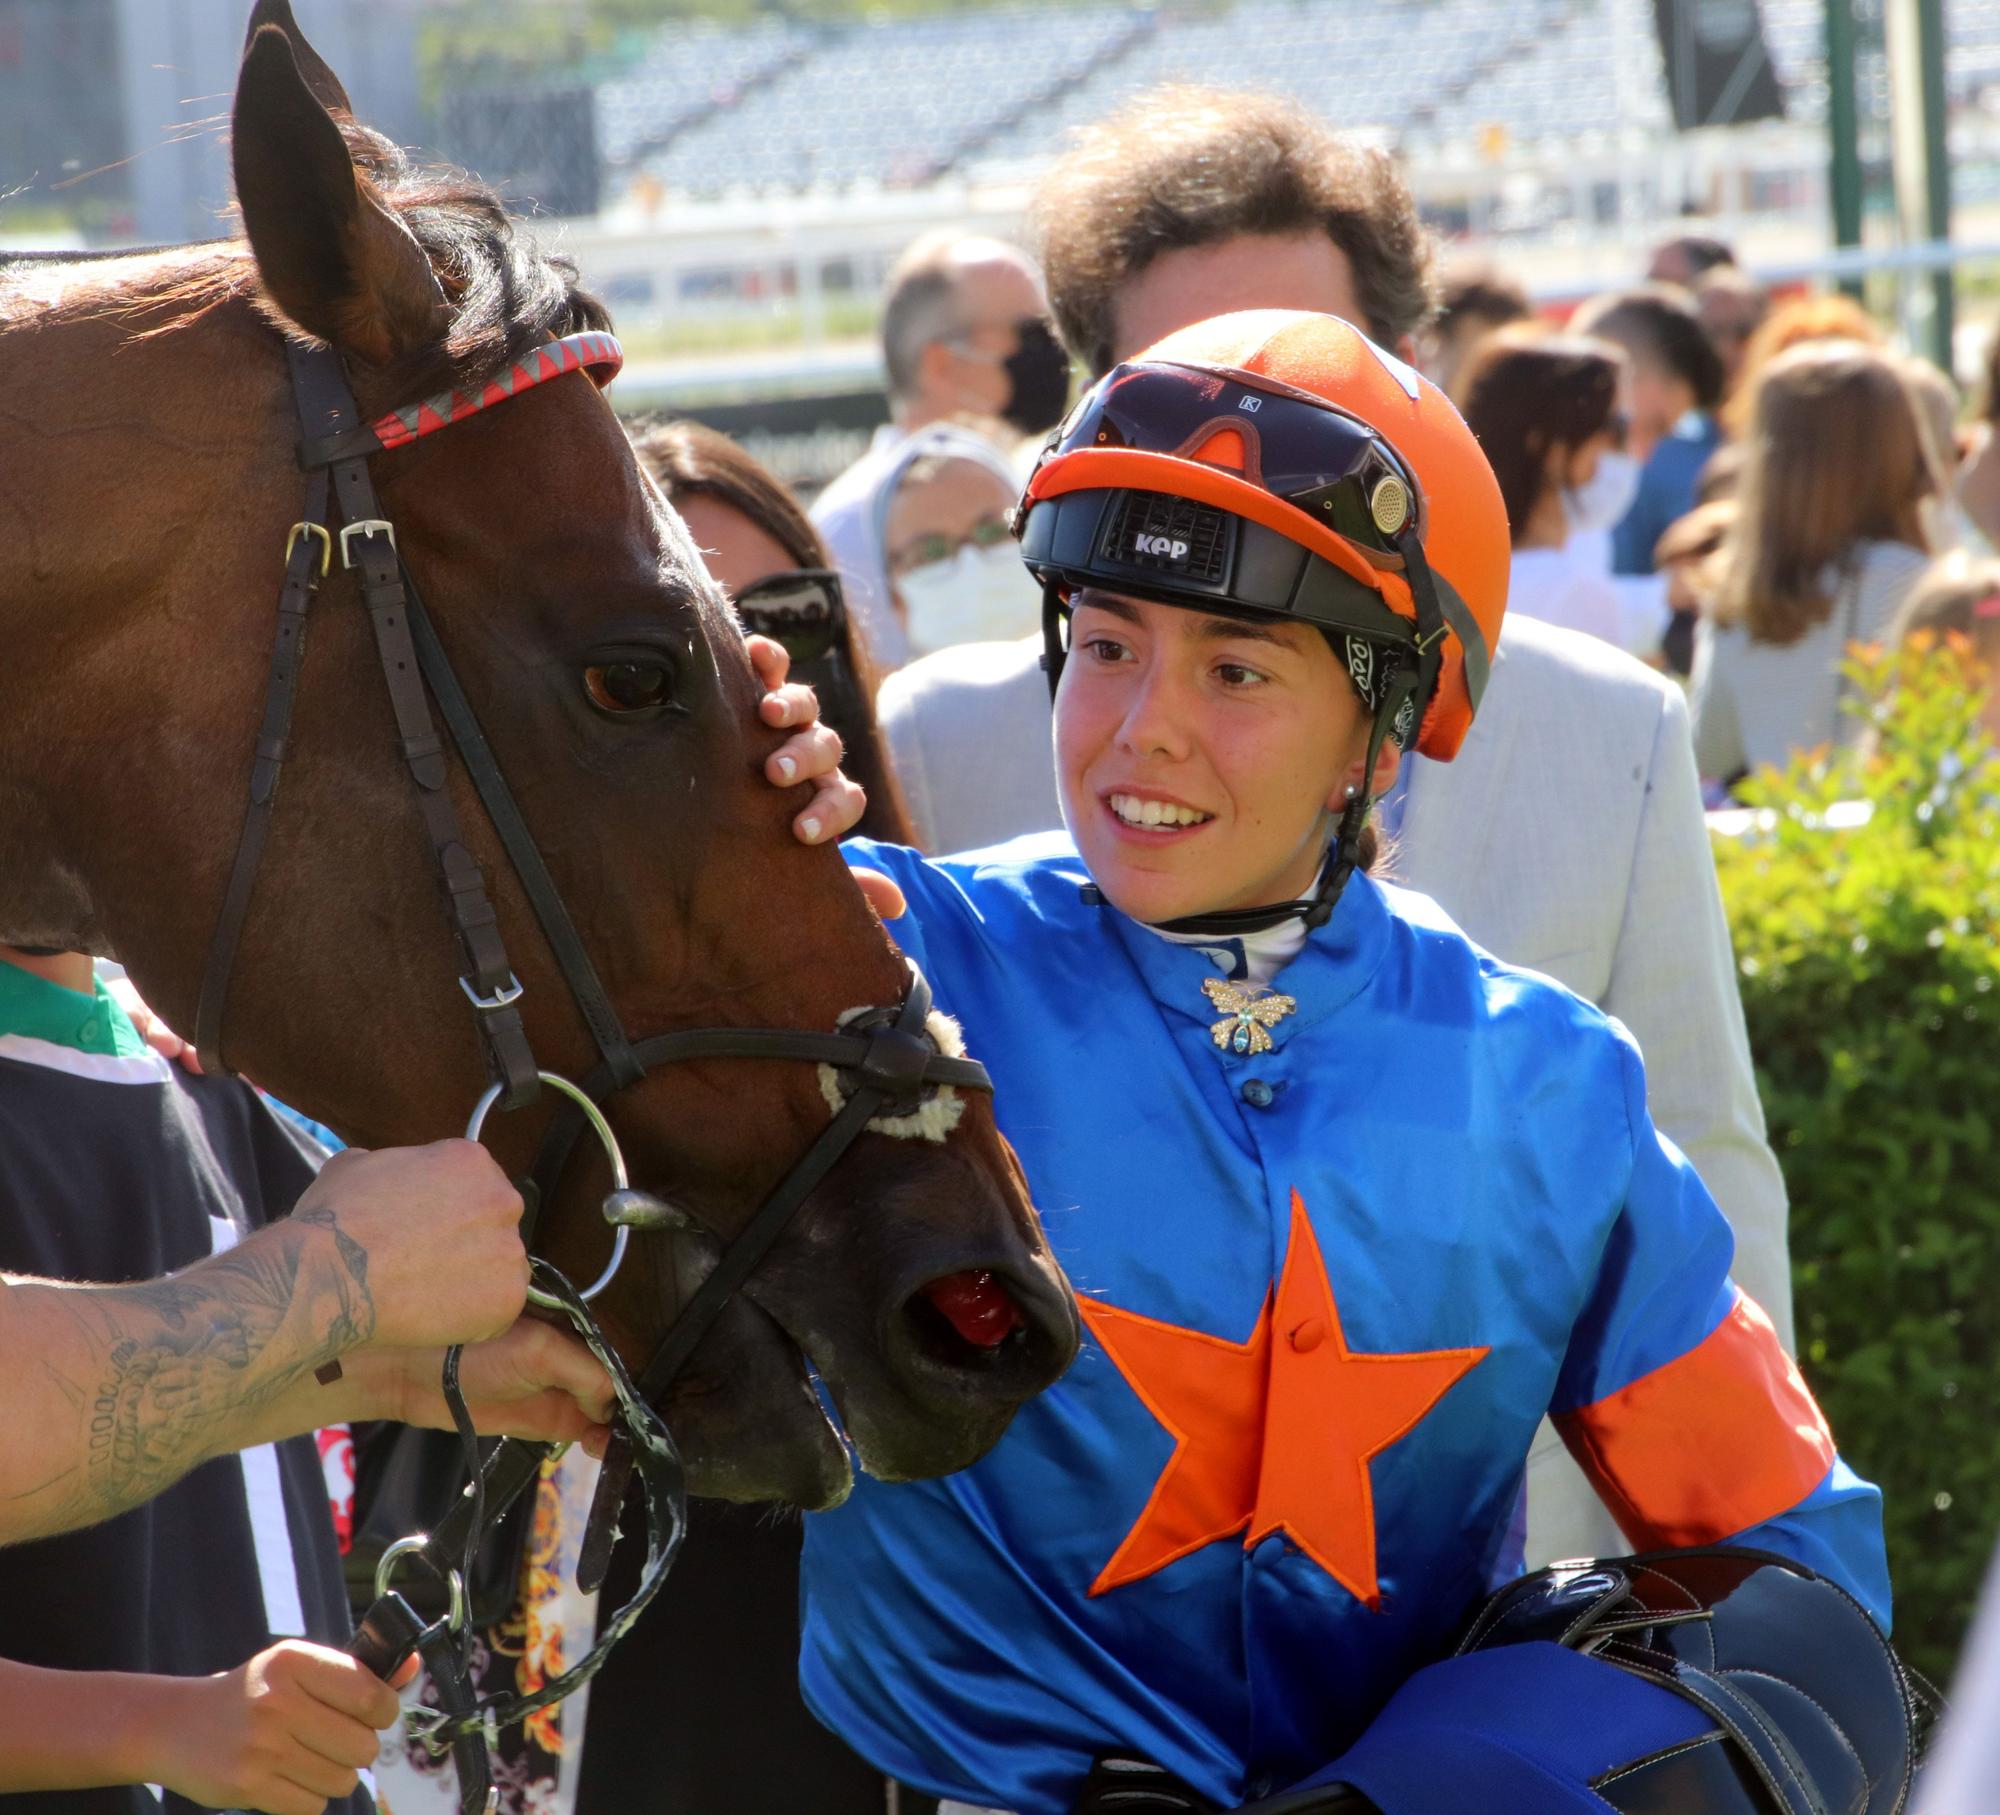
[(965, 339), (953, 572), (1547, 416), (1676, 384)]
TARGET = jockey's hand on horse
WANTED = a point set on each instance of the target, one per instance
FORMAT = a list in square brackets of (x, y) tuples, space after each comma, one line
[(814, 755), (282, 1733)]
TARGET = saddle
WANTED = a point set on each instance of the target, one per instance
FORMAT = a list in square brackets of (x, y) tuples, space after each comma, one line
[(1719, 1681)]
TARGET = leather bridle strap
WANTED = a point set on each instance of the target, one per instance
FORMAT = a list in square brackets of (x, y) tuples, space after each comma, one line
[(537, 884), (308, 555), (326, 405), (890, 1064), (896, 1065)]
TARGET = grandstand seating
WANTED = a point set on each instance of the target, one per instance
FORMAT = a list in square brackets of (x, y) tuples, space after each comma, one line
[(785, 105), (890, 101), (687, 73)]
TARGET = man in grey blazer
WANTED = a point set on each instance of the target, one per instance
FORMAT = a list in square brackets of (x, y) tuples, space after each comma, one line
[(1567, 837)]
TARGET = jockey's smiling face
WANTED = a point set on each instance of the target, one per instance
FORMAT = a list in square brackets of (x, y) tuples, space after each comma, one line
[(1202, 760)]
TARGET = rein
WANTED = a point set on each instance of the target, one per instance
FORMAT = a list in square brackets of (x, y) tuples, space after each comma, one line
[(887, 1057)]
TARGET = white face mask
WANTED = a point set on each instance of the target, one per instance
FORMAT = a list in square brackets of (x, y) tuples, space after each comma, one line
[(978, 595), (1602, 499)]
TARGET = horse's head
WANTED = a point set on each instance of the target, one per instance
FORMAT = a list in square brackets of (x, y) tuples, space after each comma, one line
[(613, 684)]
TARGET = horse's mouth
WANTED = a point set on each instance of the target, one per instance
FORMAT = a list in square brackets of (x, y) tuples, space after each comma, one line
[(932, 1385), (785, 1395), (749, 1421)]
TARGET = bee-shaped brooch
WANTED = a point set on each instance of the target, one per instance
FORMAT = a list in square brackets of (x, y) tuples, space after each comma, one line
[(1246, 1013)]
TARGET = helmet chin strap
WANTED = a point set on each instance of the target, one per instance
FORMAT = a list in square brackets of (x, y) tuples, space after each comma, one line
[(1315, 910)]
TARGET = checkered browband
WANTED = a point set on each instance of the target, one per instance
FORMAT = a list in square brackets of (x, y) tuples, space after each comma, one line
[(598, 354)]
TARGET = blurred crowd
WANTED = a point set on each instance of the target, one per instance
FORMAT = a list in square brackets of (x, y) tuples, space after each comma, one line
[(1729, 483)]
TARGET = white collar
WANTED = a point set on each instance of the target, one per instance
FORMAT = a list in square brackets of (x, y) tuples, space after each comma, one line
[(1246, 957)]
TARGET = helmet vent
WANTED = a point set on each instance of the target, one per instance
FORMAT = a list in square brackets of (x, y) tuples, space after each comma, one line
[(1168, 534)]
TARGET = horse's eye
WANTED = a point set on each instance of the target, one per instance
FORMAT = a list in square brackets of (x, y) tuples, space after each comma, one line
[(626, 687)]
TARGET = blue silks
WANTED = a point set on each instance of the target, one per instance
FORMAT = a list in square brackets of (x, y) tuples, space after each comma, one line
[(1522, 1730), (1330, 1289)]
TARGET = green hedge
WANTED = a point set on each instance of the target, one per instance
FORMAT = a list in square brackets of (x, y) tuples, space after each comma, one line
[(1871, 980)]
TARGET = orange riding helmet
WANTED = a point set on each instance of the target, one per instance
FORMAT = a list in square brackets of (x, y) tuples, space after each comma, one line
[(1279, 464)]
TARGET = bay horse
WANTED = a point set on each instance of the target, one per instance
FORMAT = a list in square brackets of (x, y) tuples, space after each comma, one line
[(148, 481)]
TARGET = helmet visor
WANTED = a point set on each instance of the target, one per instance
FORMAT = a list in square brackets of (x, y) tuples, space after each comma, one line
[(1302, 449)]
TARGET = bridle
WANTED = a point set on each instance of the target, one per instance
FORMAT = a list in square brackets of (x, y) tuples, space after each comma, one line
[(886, 1059)]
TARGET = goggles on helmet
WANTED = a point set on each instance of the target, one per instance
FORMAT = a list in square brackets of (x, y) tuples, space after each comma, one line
[(1296, 447), (1281, 504)]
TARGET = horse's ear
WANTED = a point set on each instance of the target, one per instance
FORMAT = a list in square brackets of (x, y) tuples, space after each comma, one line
[(325, 85), (331, 256)]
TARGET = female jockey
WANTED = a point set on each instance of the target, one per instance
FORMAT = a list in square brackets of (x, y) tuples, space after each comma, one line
[(1350, 1204)]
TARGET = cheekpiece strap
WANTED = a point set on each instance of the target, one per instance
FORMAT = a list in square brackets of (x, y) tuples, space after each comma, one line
[(308, 555), (367, 542)]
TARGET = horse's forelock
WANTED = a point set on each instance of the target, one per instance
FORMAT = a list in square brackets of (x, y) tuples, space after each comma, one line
[(507, 294)]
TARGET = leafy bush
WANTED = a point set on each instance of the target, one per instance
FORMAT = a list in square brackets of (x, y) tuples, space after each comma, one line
[(1871, 980)]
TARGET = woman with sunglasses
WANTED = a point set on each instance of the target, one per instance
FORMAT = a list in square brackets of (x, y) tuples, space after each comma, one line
[(953, 571), (764, 552), (927, 565), (1349, 1204)]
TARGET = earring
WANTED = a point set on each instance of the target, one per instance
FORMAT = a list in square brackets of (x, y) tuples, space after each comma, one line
[(1352, 790)]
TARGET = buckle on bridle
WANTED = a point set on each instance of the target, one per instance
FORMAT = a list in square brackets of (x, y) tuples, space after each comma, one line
[(325, 544), (367, 526), (896, 1061), (418, 1545), (505, 996)]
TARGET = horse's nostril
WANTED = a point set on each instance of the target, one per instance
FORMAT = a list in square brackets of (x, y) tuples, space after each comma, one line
[(976, 1305)]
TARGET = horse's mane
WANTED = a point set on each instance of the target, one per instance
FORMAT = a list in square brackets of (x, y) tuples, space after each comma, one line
[(507, 294)]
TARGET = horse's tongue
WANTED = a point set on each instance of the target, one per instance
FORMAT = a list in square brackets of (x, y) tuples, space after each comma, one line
[(976, 1305)]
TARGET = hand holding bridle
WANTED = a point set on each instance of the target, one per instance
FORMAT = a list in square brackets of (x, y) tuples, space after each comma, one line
[(430, 1237)]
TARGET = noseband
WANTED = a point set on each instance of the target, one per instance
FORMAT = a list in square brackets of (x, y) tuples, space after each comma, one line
[(890, 1060)]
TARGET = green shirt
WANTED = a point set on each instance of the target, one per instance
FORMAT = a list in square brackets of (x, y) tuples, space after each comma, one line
[(40, 1010)]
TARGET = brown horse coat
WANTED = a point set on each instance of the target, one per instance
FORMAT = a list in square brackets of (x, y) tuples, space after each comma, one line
[(147, 483)]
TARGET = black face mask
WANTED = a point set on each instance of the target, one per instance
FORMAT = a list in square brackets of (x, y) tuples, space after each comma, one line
[(1038, 378)]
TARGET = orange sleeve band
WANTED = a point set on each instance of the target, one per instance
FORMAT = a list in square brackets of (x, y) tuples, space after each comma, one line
[(1716, 1441)]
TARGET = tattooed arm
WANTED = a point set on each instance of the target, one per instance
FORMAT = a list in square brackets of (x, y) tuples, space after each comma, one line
[(113, 1392), (117, 1391)]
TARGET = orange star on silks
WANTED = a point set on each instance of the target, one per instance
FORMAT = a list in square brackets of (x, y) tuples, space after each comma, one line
[(1272, 1434)]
